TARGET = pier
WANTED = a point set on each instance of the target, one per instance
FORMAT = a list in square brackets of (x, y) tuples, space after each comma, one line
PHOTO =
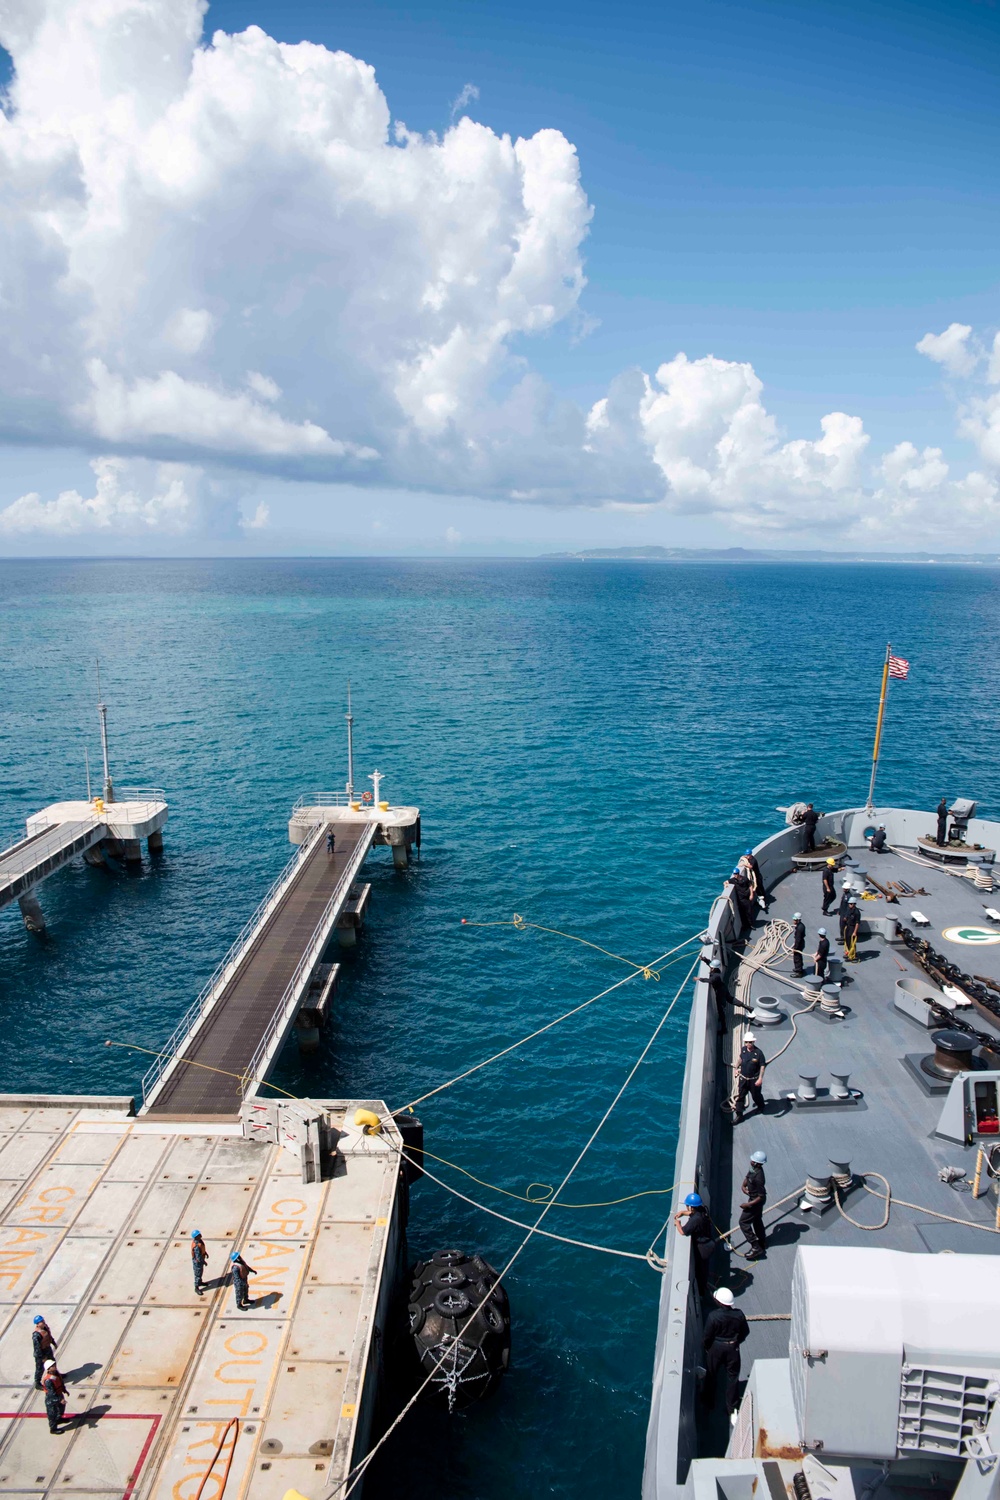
[(176, 1394), (95, 829), (239, 1022), (229, 1039), (111, 825)]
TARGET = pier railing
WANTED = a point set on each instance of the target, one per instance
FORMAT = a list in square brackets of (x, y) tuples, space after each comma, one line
[(31, 858), (225, 970), (289, 1001), (326, 799)]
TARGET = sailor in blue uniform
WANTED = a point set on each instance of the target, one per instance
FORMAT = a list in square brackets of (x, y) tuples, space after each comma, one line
[(798, 944), (199, 1255), (721, 994), (241, 1280), (822, 954), (942, 820), (752, 1208), (877, 845), (694, 1222), (726, 1328), (829, 885), (43, 1346), (55, 1395), (752, 1067)]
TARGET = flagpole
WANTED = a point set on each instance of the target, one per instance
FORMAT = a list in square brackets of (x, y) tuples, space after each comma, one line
[(878, 730)]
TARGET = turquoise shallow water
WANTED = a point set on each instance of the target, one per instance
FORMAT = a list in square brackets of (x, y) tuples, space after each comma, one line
[(592, 745)]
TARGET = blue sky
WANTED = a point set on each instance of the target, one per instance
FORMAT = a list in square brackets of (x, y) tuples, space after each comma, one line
[(809, 188)]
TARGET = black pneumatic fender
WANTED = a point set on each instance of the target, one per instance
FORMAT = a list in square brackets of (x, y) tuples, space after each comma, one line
[(459, 1317)]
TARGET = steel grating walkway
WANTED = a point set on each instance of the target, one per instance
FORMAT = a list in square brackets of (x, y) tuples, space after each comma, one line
[(206, 1082), (23, 865)]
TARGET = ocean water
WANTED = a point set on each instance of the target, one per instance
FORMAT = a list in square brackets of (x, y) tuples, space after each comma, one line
[(592, 746)]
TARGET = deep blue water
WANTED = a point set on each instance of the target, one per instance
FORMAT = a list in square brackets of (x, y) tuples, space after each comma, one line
[(592, 745)]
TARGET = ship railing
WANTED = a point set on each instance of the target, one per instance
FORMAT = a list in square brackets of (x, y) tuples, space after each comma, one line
[(290, 1000), (225, 970)]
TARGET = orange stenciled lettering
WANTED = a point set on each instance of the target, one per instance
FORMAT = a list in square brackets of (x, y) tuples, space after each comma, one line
[(287, 1225), (235, 1364), (249, 1342), (50, 1204), (187, 1486), (239, 1408)]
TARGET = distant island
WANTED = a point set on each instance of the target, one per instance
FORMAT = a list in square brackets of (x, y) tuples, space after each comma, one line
[(753, 554)]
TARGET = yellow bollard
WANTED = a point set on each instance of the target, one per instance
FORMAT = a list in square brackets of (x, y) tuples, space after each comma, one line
[(979, 1173), (368, 1120)]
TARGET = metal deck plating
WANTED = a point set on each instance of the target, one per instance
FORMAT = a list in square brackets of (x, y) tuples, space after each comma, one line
[(96, 1215)]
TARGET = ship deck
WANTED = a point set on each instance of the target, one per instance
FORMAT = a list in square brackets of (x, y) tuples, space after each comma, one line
[(166, 1387), (889, 1131)]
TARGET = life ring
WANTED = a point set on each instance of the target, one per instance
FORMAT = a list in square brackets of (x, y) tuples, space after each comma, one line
[(366, 797)]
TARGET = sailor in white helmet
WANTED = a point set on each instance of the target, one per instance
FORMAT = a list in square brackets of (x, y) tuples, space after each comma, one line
[(726, 1328), (752, 1208), (752, 1067), (798, 944)]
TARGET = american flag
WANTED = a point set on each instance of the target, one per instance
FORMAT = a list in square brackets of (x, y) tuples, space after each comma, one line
[(899, 667)]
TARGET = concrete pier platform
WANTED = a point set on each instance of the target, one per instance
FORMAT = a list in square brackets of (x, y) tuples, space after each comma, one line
[(96, 1211), (61, 832)]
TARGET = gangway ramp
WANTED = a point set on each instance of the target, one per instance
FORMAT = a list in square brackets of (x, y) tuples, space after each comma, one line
[(230, 1038), (26, 863)]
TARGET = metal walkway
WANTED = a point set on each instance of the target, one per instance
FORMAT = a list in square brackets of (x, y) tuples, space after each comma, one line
[(26, 863), (231, 1036)]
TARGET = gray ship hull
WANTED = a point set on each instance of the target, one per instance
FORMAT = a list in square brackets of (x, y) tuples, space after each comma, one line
[(678, 1434)]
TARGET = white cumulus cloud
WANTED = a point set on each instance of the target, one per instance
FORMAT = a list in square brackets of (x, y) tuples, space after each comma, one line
[(132, 498), (222, 253), (952, 349)]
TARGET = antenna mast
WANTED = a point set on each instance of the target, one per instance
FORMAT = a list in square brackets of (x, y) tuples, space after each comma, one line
[(350, 745), (102, 710)]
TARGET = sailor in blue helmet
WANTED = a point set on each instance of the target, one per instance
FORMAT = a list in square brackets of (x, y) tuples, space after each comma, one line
[(43, 1346), (752, 1208), (694, 1222), (241, 1280), (199, 1255)]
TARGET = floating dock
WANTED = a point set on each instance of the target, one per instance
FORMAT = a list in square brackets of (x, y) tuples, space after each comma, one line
[(172, 1394)]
